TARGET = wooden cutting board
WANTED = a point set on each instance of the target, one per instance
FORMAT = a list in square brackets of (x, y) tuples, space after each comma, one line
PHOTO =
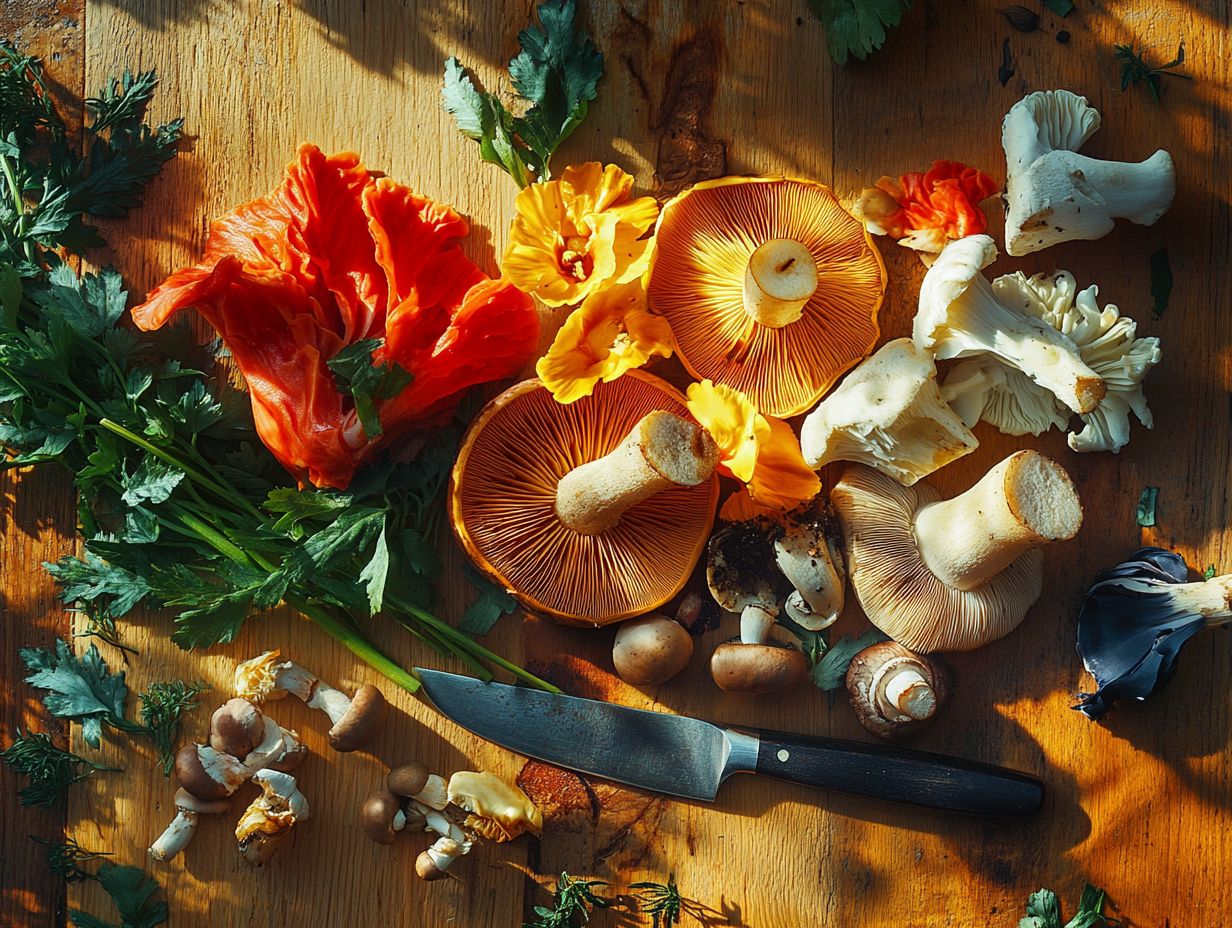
[(1139, 806)]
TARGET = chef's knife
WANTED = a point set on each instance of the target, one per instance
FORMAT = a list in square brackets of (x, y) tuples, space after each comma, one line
[(687, 757)]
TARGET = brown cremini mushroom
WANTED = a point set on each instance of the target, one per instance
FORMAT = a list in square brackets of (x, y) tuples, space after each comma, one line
[(895, 691), (207, 773), (379, 816), (590, 512), (236, 727), (407, 779), (954, 575), (741, 574), (770, 287)]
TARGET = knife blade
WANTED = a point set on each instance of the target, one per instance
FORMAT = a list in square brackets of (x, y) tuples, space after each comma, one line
[(687, 757)]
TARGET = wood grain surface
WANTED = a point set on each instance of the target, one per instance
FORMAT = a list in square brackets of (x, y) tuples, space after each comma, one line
[(1139, 805)]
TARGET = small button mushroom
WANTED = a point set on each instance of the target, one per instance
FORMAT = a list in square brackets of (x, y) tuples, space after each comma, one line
[(355, 720), (175, 837), (651, 650), (740, 572), (267, 822), (895, 691), (433, 863)]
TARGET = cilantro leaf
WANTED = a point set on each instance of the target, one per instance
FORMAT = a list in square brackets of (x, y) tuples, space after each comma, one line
[(91, 580), (367, 382), (83, 690), (153, 481), (482, 117), (1061, 7), (1043, 911), (856, 28), (830, 672), (1146, 507), (376, 571)]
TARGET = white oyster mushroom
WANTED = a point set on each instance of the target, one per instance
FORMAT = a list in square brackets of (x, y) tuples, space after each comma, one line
[(960, 316), (1108, 343), (1054, 194), (889, 414)]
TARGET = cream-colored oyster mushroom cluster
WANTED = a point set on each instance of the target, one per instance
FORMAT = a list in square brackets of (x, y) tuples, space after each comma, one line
[(982, 388), (246, 745), (472, 806)]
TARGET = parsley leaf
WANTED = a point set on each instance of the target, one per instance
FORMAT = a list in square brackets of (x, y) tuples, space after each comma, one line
[(556, 74), (1044, 910), (830, 673), (857, 28), (91, 580), (489, 604), (1146, 507), (367, 382), (83, 690)]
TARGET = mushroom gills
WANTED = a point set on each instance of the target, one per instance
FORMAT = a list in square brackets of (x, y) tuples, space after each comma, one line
[(780, 279), (661, 451), (1025, 501)]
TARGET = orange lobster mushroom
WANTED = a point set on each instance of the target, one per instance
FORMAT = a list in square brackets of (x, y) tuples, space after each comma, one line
[(338, 260), (770, 286), (589, 512)]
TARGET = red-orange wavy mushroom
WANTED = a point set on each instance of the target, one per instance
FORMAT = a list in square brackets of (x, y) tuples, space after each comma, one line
[(333, 256)]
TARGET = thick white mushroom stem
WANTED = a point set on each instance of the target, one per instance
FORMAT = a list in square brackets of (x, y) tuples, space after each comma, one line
[(315, 692), (756, 621), (901, 688), (175, 837), (662, 451), (780, 279), (1025, 501)]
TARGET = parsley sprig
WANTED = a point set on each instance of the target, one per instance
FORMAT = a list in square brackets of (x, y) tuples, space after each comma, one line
[(50, 769), (555, 77), (180, 505), (857, 28), (1044, 911), (1136, 69)]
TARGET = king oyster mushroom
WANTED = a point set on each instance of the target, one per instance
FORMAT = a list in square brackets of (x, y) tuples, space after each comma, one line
[(741, 574), (1053, 194), (953, 575)]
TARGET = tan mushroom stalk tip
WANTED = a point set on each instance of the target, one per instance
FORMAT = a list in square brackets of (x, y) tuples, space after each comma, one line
[(591, 512), (895, 691), (957, 574), (770, 286)]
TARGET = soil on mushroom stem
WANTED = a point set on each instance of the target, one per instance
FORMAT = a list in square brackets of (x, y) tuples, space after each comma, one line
[(747, 551)]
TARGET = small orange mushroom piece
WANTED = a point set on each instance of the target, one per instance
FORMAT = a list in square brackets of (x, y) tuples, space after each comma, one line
[(591, 512), (770, 286)]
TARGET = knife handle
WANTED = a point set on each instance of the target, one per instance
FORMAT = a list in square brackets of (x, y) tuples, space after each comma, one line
[(898, 775)]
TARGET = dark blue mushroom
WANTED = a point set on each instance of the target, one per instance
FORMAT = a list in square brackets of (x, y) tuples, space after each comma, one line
[(1134, 620)]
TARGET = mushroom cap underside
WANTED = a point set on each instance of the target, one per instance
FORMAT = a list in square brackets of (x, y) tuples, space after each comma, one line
[(899, 594), (704, 240), (503, 504)]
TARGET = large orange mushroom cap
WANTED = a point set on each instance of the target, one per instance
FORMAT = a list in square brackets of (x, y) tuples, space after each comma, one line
[(705, 240), (503, 495)]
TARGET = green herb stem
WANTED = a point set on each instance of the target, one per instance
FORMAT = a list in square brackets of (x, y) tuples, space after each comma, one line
[(355, 643)]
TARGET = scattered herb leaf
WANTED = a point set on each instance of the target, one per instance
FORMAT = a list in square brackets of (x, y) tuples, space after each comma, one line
[(356, 373), (572, 902), (1021, 18), (64, 859), (857, 28), (556, 75), (162, 707), (489, 604), (1044, 910), (1161, 280), (1061, 7), (1135, 68), (132, 891), (830, 672), (1006, 71), (81, 689), (662, 902), (50, 768), (1146, 507), (1209, 572)]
